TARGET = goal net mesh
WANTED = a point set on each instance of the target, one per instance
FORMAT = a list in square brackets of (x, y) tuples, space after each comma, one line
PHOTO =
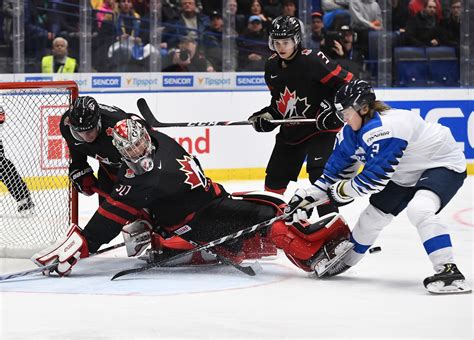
[(35, 196)]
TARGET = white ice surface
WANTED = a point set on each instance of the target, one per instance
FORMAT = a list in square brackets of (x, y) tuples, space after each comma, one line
[(382, 297)]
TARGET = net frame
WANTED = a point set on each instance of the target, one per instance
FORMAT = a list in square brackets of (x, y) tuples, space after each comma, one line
[(70, 90)]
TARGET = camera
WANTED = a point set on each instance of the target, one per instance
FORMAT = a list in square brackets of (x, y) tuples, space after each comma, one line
[(332, 36), (184, 54)]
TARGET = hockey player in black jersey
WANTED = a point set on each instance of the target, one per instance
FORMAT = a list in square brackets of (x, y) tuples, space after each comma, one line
[(163, 191), (87, 128), (302, 83), (11, 178)]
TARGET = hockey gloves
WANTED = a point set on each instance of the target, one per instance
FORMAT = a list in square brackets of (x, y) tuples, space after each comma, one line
[(297, 210), (137, 237), (337, 195), (261, 120), (64, 252), (328, 117), (84, 180)]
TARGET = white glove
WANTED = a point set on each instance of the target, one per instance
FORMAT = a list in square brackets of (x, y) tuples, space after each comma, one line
[(337, 194), (296, 208), (137, 237), (65, 252)]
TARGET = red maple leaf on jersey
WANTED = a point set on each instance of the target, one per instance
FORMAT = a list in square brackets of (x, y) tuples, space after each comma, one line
[(109, 131), (291, 106), (194, 175)]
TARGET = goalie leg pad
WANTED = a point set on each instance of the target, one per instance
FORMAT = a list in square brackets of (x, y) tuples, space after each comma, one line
[(65, 252), (137, 237), (301, 242)]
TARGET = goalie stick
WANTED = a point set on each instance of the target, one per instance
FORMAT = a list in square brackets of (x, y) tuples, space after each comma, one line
[(53, 265), (151, 119), (212, 244)]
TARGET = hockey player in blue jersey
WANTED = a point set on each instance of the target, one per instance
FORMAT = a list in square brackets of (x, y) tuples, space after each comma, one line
[(409, 164)]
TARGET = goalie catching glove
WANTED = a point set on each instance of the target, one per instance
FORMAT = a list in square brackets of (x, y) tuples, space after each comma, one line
[(84, 180), (297, 207), (261, 120), (64, 252), (328, 118)]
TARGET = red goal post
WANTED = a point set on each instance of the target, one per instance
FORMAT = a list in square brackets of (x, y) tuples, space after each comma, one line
[(35, 154)]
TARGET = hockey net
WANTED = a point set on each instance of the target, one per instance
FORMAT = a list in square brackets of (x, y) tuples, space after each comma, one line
[(36, 201)]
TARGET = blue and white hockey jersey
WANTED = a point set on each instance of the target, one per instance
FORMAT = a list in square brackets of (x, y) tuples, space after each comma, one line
[(397, 145)]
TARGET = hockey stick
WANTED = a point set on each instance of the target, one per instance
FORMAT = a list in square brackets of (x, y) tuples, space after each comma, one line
[(149, 117), (249, 270), (214, 243), (53, 265)]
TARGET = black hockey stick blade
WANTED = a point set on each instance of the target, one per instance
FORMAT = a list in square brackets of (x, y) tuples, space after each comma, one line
[(146, 113)]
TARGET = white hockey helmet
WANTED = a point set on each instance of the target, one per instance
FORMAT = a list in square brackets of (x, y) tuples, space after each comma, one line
[(134, 143)]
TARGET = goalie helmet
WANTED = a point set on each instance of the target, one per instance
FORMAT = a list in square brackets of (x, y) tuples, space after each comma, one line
[(84, 114), (356, 93), (134, 143), (285, 27)]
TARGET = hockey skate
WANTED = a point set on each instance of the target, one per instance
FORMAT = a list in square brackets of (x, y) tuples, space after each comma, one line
[(328, 261), (448, 281), (26, 206)]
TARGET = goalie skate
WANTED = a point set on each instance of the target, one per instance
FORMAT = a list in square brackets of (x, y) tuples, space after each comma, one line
[(449, 281), (328, 260)]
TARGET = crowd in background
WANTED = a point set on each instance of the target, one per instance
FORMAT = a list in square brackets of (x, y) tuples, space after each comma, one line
[(192, 30)]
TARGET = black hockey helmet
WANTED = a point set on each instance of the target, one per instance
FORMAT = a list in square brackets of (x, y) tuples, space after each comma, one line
[(356, 93), (285, 27), (84, 114)]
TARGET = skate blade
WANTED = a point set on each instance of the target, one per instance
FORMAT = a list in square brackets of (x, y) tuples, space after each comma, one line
[(324, 265), (457, 287)]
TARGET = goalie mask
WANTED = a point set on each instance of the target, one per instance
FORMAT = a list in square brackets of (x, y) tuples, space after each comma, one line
[(134, 144)]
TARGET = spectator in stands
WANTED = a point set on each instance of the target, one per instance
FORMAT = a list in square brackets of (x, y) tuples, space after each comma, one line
[(128, 46), (417, 6), (256, 9), (317, 30), (58, 61), (186, 58), (189, 22), (366, 16), (212, 41), (424, 29), (240, 19), (399, 15), (289, 8), (272, 8), (340, 46), (336, 13), (452, 24), (105, 12), (253, 46)]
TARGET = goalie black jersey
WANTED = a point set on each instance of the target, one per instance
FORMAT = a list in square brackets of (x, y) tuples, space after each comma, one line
[(102, 148), (298, 89), (173, 192)]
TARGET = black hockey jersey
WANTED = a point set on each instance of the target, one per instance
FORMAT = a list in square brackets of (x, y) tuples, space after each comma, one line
[(173, 191), (298, 89), (102, 148)]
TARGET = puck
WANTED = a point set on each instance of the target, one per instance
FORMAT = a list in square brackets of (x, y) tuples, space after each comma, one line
[(375, 250)]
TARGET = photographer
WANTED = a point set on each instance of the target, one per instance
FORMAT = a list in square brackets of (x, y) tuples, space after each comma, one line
[(186, 58), (340, 46)]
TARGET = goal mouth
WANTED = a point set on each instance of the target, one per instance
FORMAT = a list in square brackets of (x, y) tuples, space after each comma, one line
[(37, 202)]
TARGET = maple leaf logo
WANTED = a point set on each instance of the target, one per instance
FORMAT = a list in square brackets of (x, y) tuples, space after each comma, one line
[(194, 174), (109, 131), (291, 106)]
